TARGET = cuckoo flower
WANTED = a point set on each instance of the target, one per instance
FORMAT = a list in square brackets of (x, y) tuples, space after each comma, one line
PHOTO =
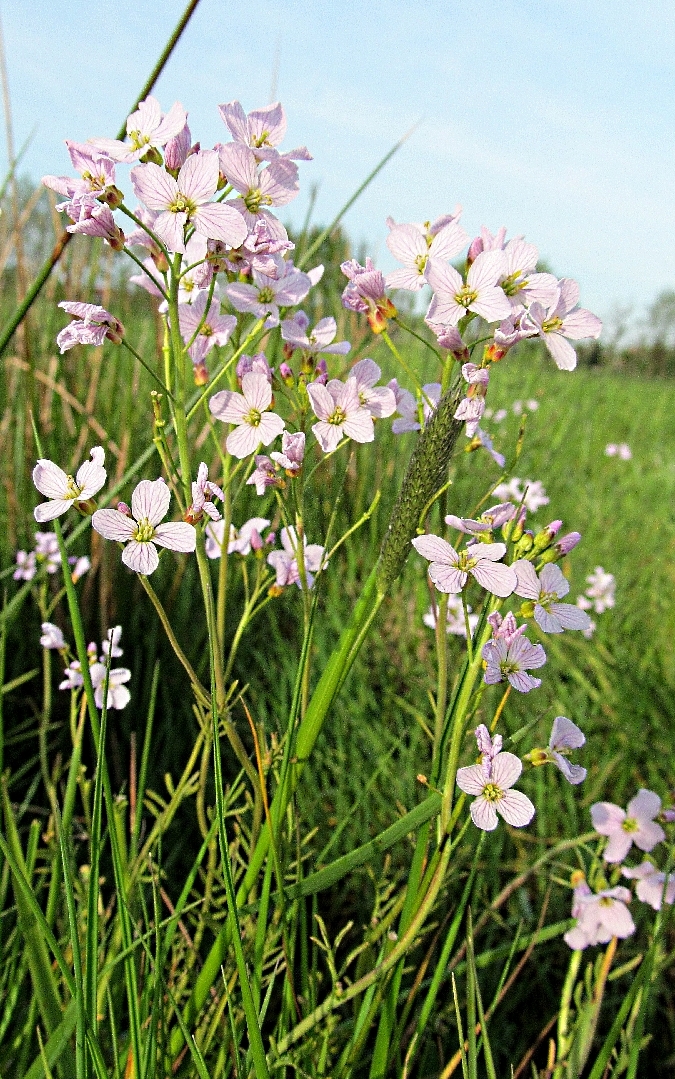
[(216, 329), (520, 281), (147, 129), (258, 363), (63, 491), (340, 412), (600, 591), (509, 656), (264, 474), (248, 410), (97, 173), (486, 242), (365, 293), (487, 523), (453, 298), (142, 529), (292, 452), (275, 185), (652, 887), (177, 150), (455, 621), (599, 917), (52, 637), (118, 694), (262, 130), (379, 400), (472, 407), (417, 249), (266, 295), (407, 409), (285, 562), (92, 218), (186, 201), (542, 593), (449, 569), (563, 319), (565, 736), (490, 782), (91, 326), (294, 332), (203, 493), (624, 827)]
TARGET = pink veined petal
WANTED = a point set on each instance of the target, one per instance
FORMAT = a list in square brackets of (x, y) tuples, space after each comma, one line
[(498, 579), (293, 289), (381, 402), (492, 304), (234, 116), (243, 441), (269, 121), (435, 549), (569, 294), (141, 557), (472, 779), (153, 186), (443, 279), (256, 390), (521, 257), (523, 682), (48, 511), (570, 616), (406, 243), (516, 809), (321, 401), (270, 427), (649, 835), (528, 655), (113, 525), (170, 125), (618, 846), (366, 372), (607, 818), (150, 500), (486, 270), (581, 323), (177, 536), (565, 734), (244, 297), (447, 578), (359, 426), (146, 117), (444, 310), (279, 181), (170, 228), (412, 280), (448, 242), (506, 769), (491, 551), (483, 814), (229, 406), (50, 480), (328, 435), (618, 921), (552, 579), (573, 773), (198, 177), (547, 620), (645, 804), (220, 222), (528, 583), (239, 164), (561, 350), (90, 478)]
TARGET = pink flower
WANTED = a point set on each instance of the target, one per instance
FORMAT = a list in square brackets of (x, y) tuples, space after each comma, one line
[(63, 491), (652, 888), (266, 295), (563, 319), (248, 410), (294, 331), (97, 172), (241, 540), (365, 293), (203, 491), (285, 563), (275, 185), (509, 657), (543, 593), (417, 248), (264, 475), (407, 408), (489, 521), (52, 637), (449, 570), (481, 293), (91, 326), (491, 785), (216, 329), (262, 130), (93, 218), (520, 281), (379, 400), (565, 735), (257, 363), (142, 530), (186, 200), (636, 825), (599, 917), (292, 452), (340, 412), (147, 128)]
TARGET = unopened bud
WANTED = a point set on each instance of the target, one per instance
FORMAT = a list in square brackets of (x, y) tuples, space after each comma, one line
[(493, 352), (112, 197), (567, 543), (115, 332), (286, 374), (543, 539), (201, 374), (475, 250), (123, 508), (524, 544)]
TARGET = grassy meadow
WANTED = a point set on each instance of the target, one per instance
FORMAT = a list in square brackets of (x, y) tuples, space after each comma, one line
[(619, 687)]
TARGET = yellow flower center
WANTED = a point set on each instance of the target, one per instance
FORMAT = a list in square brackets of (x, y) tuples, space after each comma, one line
[(551, 325), (144, 531), (466, 296), (337, 417), (492, 793), (182, 205), (253, 417)]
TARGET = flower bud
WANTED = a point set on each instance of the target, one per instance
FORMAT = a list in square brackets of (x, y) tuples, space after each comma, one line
[(543, 539), (112, 197), (475, 250), (176, 151), (512, 530), (122, 507), (567, 543), (286, 374), (524, 544), (115, 332)]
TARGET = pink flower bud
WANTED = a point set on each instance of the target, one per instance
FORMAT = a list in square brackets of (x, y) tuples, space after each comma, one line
[(475, 250), (567, 543), (123, 508)]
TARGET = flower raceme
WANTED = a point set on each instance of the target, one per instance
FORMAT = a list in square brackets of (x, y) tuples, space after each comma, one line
[(142, 530), (63, 491)]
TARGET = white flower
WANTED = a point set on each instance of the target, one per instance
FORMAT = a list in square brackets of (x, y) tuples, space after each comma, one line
[(491, 783), (63, 490), (248, 410), (141, 531), (52, 637)]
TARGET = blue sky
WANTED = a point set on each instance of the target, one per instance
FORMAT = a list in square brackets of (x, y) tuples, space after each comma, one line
[(556, 119)]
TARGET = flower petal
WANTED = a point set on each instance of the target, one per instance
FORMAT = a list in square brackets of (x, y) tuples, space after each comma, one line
[(435, 549), (151, 500), (498, 579), (483, 814), (49, 479), (516, 809), (113, 525), (141, 557), (177, 536)]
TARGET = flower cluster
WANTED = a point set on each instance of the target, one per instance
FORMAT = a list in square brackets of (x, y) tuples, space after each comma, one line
[(118, 694)]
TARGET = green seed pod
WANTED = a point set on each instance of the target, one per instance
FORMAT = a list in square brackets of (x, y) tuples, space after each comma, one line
[(425, 475)]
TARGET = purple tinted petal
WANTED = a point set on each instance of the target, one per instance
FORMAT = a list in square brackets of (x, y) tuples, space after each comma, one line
[(113, 525), (483, 814), (151, 500), (506, 768), (528, 582), (177, 536), (49, 479), (645, 805), (565, 735), (48, 511), (516, 809), (498, 579), (141, 557), (435, 549), (570, 616), (553, 580), (447, 578), (220, 222), (153, 186), (228, 406), (523, 682), (561, 350), (198, 178)]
